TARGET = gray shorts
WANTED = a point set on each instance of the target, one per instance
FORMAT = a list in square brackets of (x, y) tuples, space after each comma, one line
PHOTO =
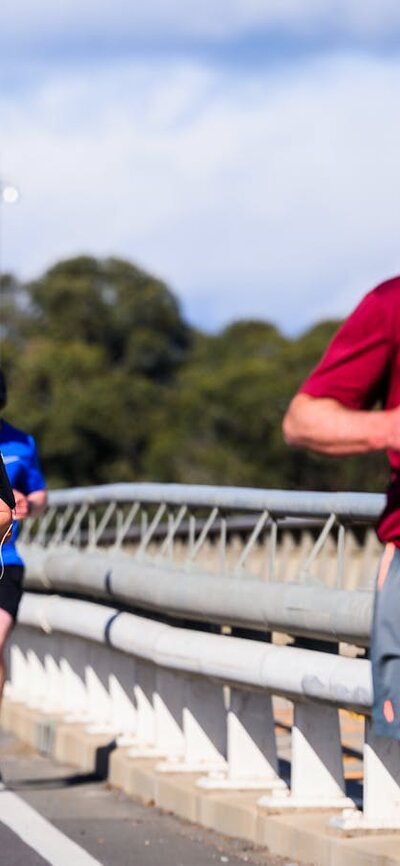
[(385, 646)]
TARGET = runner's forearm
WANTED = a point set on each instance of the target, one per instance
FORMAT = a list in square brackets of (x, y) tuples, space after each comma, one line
[(328, 427)]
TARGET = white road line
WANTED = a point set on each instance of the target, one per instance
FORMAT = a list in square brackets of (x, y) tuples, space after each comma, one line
[(40, 835)]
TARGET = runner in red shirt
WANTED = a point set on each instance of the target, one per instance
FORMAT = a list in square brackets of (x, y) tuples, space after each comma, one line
[(332, 414)]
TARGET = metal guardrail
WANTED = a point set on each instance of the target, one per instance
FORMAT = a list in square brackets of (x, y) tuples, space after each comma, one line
[(308, 611), (268, 559), (291, 672), (202, 704), (92, 516), (280, 503)]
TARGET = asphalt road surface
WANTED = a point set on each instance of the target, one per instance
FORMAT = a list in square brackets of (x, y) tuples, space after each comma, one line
[(49, 813)]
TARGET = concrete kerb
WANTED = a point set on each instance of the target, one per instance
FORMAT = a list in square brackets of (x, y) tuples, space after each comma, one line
[(302, 836)]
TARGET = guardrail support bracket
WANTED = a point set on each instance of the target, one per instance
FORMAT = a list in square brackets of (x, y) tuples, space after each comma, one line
[(204, 728), (381, 807), (317, 780), (165, 738), (252, 756)]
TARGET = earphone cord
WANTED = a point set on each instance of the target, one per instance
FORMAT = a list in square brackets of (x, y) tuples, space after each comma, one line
[(1, 552)]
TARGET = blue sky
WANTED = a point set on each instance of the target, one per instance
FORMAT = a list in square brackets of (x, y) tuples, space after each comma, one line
[(245, 151)]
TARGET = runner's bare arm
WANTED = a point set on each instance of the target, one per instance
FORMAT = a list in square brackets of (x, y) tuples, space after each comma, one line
[(5, 519), (326, 426)]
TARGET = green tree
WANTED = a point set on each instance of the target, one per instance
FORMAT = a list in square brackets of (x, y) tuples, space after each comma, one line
[(131, 314), (89, 364), (106, 373)]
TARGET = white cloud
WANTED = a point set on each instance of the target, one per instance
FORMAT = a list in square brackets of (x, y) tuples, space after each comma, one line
[(253, 195)]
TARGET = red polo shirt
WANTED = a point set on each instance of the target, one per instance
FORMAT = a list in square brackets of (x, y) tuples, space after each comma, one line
[(362, 366)]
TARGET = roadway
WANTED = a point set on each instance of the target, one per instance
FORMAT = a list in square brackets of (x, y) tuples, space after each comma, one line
[(49, 813)]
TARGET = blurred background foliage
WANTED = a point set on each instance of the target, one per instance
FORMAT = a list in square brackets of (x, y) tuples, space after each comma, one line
[(114, 384)]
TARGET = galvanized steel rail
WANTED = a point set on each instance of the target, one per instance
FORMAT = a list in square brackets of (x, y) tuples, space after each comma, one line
[(357, 506), (293, 673), (308, 611), (263, 559)]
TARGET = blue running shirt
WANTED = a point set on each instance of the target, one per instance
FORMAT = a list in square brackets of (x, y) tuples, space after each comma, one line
[(20, 457)]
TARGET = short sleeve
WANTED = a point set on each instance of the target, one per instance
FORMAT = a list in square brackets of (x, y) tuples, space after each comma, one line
[(34, 479), (354, 368)]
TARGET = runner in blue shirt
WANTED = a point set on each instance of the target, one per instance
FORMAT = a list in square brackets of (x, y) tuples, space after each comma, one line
[(18, 450)]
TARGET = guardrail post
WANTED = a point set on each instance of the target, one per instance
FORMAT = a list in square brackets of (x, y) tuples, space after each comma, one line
[(163, 708), (16, 688), (317, 780), (103, 699), (381, 806), (145, 674), (110, 692), (97, 672), (74, 653), (123, 709), (204, 729), (381, 780), (168, 708), (53, 701), (28, 675), (74, 693), (252, 755), (37, 686)]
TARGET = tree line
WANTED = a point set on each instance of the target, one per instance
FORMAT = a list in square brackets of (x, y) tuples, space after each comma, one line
[(115, 385)]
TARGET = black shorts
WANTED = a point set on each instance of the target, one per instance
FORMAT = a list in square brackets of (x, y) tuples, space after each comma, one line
[(11, 589)]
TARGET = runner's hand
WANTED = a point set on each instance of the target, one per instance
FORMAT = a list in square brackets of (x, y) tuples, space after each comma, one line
[(5, 521), (21, 505)]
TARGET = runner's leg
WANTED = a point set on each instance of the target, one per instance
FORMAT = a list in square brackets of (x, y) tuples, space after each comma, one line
[(6, 624)]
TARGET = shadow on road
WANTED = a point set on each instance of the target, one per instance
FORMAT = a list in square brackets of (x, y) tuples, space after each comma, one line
[(98, 774)]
